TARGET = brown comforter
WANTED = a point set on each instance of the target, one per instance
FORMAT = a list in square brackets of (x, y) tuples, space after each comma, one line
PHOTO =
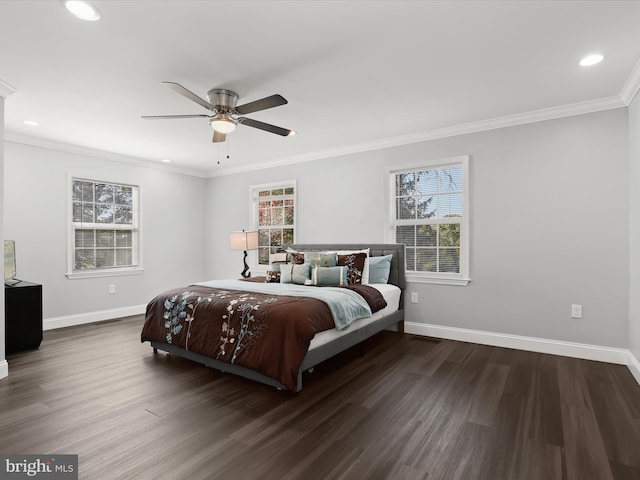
[(266, 333)]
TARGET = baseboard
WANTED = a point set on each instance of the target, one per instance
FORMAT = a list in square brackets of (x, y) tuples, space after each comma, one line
[(4, 369), (91, 317), (532, 344), (634, 366)]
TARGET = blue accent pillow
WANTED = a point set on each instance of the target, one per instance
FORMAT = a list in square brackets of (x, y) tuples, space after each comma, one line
[(292, 273), (300, 273), (285, 273), (379, 268)]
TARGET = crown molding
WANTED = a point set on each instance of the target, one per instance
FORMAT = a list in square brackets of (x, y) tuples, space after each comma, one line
[(632, 85), (462, 129), (101, 154), (6, 89)]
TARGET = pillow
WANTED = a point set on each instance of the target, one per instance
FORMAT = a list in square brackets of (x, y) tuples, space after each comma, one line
[(379, 268), (355, 265), (296, 257), (300, 273), (320, 259), (365, 272), (276, 267), (285, 273), (272, 276), (280, 257), (327, 276)]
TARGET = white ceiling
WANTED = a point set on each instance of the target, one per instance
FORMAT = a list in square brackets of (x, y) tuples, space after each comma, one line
[(357, 74)]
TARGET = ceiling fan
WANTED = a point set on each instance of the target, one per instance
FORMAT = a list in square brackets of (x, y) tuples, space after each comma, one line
[(224, 112)]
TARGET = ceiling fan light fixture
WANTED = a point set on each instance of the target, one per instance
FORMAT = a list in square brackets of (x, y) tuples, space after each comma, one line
[(223, 124), (82, 10)]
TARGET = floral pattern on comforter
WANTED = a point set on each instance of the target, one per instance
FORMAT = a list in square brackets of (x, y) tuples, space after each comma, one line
[(266, 333)]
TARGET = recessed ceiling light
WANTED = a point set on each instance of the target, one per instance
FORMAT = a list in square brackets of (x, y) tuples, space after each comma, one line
[(165, 160), (591, 60), (82, 10), (31, 123)]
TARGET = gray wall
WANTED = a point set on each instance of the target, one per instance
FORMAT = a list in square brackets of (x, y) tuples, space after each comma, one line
[(172, 207), (634, 228), (549, 224)]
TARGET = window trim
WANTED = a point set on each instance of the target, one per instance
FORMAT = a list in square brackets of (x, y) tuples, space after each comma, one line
[(102, 272), (254, 214), (463, 278)]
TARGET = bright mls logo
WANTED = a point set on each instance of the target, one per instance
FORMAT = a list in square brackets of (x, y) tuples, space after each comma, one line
[(54, 467)]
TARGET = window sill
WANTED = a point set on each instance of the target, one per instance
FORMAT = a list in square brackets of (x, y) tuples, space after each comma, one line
[(417, 278), (104, 273)]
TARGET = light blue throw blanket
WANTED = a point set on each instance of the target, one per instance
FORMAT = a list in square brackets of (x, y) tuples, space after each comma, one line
[(345, 305)]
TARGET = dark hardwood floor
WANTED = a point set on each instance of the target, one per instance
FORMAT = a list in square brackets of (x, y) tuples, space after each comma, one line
[(403, 407)]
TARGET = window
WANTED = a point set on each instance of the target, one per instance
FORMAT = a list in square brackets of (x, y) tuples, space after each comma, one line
[(104, 231), (274, 217), (429, 214)]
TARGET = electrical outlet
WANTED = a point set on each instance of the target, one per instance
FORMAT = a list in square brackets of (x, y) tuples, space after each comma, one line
[(414, 297), (112, 288), (576, 311)]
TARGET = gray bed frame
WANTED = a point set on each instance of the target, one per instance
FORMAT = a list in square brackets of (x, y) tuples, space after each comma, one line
[(330, 349)]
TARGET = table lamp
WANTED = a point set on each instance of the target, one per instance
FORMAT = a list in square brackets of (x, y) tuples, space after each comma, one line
[(244, 241)]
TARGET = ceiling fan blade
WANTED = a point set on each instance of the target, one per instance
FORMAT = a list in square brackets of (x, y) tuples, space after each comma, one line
[(262, 104), (265, 126), (159, 117), (219, 137), (176, 87)]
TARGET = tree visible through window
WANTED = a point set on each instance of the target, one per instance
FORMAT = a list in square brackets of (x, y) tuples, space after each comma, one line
[(276, 218), (428, 217), (105, 225)]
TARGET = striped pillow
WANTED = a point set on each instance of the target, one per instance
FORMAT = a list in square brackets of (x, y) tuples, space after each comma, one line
[(328, 276)]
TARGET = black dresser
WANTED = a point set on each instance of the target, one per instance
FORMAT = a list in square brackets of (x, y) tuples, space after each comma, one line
[(22, 316)]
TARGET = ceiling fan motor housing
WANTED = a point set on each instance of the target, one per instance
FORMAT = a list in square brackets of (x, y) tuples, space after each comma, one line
[(224, 99)]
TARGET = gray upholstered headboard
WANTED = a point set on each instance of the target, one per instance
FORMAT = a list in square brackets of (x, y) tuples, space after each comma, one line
[(397, 273)]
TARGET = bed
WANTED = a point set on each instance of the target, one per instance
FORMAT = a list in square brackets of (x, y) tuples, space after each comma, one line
[(248, 339)]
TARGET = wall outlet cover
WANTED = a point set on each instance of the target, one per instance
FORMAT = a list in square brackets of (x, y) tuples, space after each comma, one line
[(576, 311)]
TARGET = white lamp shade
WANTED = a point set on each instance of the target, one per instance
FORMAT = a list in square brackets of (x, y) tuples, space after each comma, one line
[(243, 240)]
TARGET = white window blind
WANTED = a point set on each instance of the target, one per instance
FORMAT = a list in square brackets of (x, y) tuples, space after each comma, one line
[(104, 228), (429, 215)]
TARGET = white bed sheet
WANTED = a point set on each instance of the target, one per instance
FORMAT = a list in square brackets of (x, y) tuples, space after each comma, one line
[(391, 294)]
